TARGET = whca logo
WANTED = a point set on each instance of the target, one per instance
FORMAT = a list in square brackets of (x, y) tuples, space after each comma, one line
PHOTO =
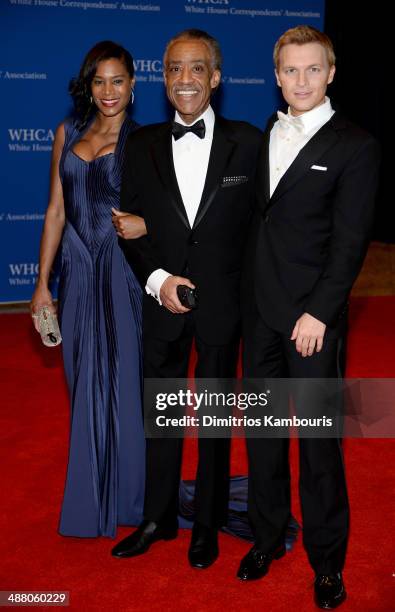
[(30, 139)]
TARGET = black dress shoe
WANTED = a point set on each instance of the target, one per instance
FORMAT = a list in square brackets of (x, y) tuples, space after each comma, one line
[(256, 563), (329, 591), (203, 550), (140, 540)]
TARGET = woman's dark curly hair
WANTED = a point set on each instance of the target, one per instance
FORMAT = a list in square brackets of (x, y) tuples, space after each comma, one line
[(80, 87)]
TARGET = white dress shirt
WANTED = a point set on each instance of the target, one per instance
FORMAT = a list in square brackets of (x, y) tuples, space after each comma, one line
[(190, 156), (290, 134)]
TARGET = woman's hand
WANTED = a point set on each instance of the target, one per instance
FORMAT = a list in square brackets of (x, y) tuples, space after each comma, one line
[(128, 226), (41, 297)]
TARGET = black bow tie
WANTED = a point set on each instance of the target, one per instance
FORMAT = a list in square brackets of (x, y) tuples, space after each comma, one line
[(197, 128)]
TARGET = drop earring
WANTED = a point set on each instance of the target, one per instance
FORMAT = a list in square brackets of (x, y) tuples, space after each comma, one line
[(131, 96), (91, 100)]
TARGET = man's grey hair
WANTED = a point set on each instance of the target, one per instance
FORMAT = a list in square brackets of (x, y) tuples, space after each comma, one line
[(195, 34)]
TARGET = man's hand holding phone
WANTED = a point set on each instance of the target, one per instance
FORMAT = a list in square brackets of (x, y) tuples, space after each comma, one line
[(169, 295)]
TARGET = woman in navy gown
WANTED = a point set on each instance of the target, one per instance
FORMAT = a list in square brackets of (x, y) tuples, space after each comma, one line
[(99, 300)]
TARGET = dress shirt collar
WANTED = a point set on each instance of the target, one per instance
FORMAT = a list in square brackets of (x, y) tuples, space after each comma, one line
[(317, 116), (209, 120), (314, 118)]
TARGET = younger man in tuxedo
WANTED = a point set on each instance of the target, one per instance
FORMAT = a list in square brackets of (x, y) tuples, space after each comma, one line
[(316, 184), (192, 181)]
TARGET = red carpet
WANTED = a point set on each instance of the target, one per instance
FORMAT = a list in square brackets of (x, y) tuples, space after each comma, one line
[(34, 431)]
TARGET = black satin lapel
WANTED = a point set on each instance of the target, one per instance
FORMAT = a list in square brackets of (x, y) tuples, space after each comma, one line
[(263, 172), (325, 138), (262, 186), (266, 162), (221, 151), (162, 155)]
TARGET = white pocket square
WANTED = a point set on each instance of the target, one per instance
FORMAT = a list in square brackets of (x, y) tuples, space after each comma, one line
[(322, 168)]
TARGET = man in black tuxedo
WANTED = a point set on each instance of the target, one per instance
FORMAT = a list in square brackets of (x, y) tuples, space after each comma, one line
[(192, 181), (316, 183)]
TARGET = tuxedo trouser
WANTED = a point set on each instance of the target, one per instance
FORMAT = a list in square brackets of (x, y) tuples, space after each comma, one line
[(170, 359), (322, 485)]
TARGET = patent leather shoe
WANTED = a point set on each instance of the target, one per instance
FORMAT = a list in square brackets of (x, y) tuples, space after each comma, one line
[(329, 591), (140, 540), (256, 563), (203, 550)]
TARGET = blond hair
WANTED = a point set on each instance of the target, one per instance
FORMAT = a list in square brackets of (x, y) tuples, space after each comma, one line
[(301, 35)]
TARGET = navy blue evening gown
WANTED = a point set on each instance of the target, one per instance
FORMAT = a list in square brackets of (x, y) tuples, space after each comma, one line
[(100, 314)]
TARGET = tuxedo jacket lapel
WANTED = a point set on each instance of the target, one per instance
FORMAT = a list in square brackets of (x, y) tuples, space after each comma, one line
[(162, 155), (325, 138), (221, 152), (263, 180)]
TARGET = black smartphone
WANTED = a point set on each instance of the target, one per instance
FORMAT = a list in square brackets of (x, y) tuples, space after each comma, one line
[(187, 296)]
